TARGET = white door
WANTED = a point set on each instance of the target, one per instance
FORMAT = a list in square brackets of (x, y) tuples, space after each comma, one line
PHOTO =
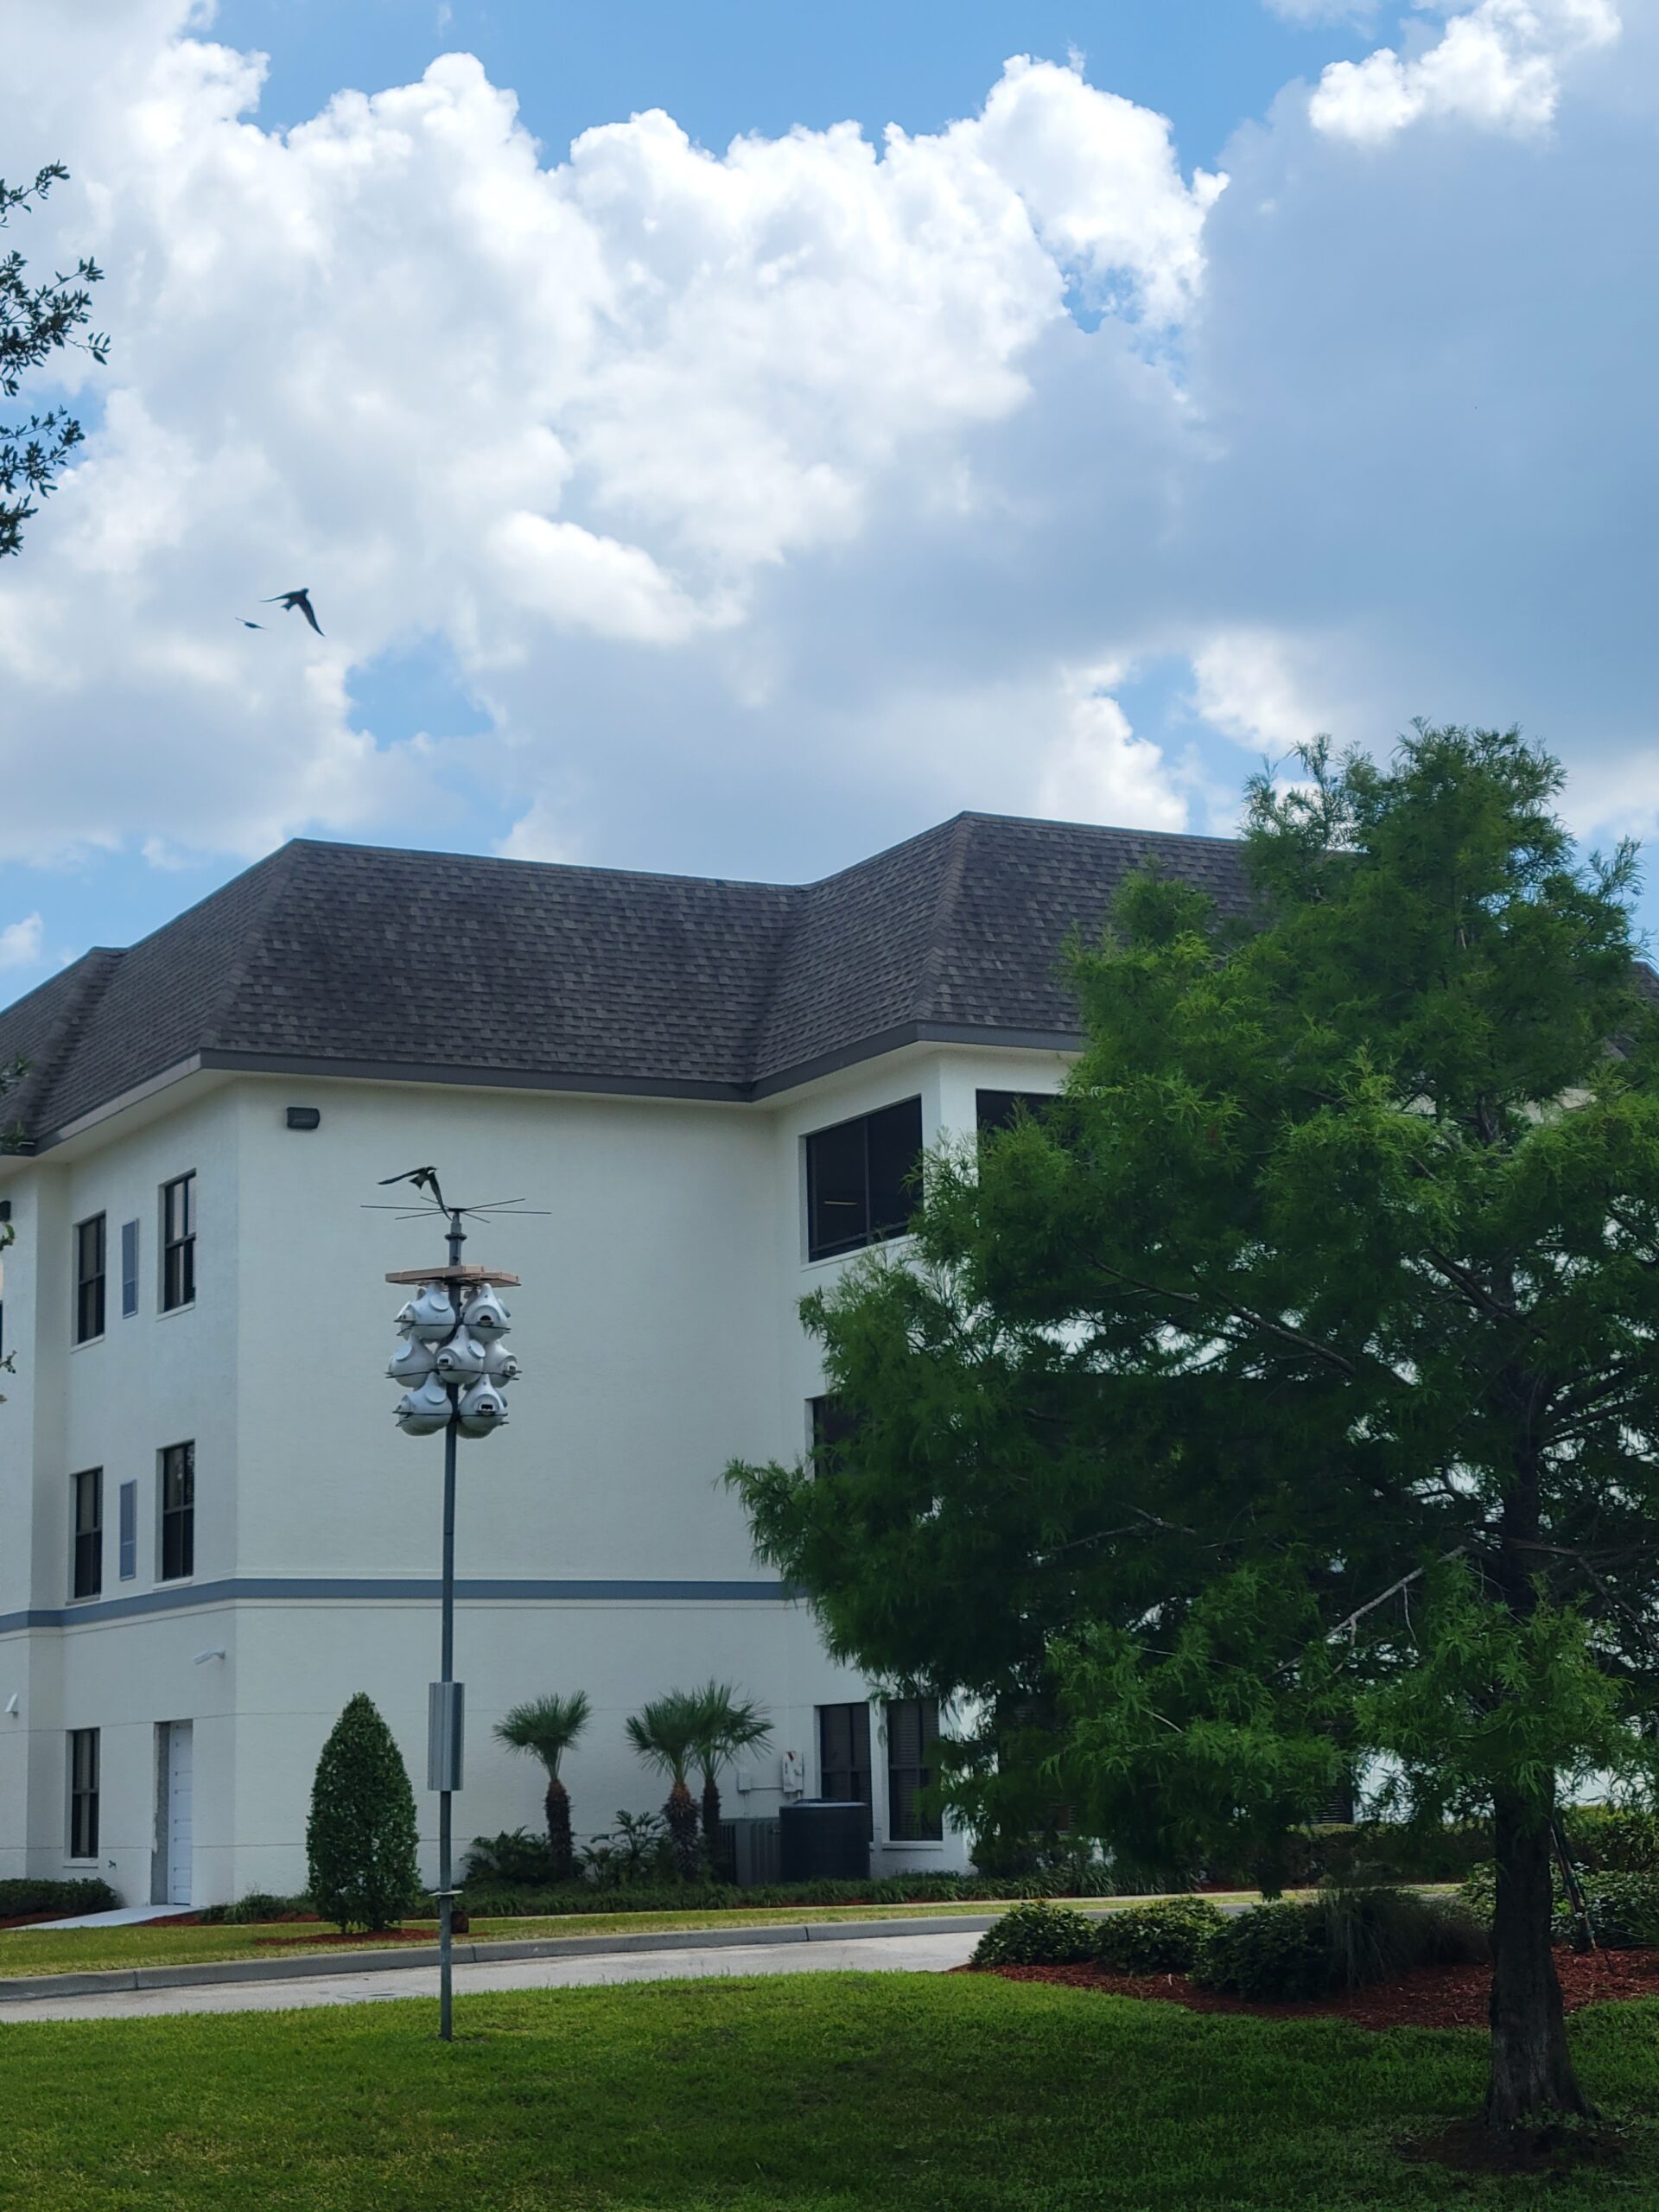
[(178, 1812)]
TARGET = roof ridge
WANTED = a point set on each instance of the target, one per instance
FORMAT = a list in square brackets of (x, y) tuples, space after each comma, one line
[(100, 964), (960, 827), (276, 880)]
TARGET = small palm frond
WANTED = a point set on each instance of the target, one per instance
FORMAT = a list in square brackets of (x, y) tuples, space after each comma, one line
[(728, 1724), (545, 1726), (665, 1732)]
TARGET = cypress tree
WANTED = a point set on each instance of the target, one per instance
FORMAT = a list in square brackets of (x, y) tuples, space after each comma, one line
[(360, 1838)]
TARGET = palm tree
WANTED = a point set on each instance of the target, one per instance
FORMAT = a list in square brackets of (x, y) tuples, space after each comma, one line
[(548, 1726), (729, 1724), (665, 1732)]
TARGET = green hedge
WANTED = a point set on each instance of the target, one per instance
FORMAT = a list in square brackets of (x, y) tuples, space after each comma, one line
[(1342, 1939), (1164, 1938), (1037, 1933), (28, 1893), (1623, 1911), (484, 1897)]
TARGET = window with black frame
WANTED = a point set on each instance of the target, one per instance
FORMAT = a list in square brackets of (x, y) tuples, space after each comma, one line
[(861, 1180), (178, 1242), (913, 1738), (89, 1279), (1000, 1109), (178, 1512), (844, 1755), (129, 1269), (83, 1792), (833, 1424), (86, 1571)]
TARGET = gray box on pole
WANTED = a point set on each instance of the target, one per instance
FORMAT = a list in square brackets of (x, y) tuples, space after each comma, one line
[(445, 1717)]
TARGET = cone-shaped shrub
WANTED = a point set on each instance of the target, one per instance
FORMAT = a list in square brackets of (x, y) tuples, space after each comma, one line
[(360, 1839)]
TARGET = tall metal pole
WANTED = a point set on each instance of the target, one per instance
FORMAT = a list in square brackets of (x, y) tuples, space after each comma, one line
[(446, 1895)]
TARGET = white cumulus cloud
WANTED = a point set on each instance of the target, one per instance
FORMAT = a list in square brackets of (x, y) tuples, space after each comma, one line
[(1497, 64), (21, 943)]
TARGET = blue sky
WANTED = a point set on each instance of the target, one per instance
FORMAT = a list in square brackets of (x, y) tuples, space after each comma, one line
[(738, 508)]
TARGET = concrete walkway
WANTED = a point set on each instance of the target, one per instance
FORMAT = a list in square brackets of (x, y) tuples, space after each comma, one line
[(908, 1954), (124, 1916)]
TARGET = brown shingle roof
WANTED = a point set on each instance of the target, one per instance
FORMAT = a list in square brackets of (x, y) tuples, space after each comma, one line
[(357, 959)]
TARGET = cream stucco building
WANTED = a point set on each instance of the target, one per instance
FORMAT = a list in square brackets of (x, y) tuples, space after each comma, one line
[(211, 1533)]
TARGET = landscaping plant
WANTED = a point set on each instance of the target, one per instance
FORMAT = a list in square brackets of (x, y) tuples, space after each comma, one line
[(1161, 1938), (1038, 1934), (546, 1728), (665, 1734), (728, 1724), (1283, 1396), (360, 1839)]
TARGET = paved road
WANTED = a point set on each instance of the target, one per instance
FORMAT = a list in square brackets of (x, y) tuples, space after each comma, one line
[(878, 1953)]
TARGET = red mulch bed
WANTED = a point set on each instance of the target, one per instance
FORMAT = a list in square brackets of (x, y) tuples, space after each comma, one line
[(37, 1919), (1433, 1996)]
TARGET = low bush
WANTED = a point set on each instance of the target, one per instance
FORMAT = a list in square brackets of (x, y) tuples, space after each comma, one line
[(1038, 1934), (1612, 1838), (258, 1907), (488, 1895), (515, 1857), (1343, 1939), (31, 1893), (1623, 1911), (1272, 1953), (1164, 1938)]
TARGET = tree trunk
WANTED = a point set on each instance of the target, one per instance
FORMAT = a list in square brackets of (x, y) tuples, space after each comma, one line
[(681, 1812), (563, 1858), (1532, 2075), (711, 1814)]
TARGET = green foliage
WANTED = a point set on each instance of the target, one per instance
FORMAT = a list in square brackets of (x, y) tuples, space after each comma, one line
[(254, 1911), (1623, 1911), (360, 1838), (1162, 1938), (1285, 1396), (1038, 1934), (728, 1723), (515, 1857), (669, 1734), (1613, 1839), (654, 1892), (37, 321), (637, 1850), (1273, 1953), (546, 1728), (22, 1894), (1282, 1953)]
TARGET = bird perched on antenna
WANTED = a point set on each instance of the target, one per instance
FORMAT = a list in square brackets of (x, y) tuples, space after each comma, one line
[(424, 1180), (302, 599)]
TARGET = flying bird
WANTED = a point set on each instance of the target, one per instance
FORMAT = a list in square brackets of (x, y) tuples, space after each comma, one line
[(246, 624), (302, 599), (424, 1178)]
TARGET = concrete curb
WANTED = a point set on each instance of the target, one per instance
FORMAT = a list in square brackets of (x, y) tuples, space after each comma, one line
[(306, 1965)]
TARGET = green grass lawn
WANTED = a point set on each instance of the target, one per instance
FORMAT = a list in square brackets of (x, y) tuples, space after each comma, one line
[(83, 1950), (814, 2093)]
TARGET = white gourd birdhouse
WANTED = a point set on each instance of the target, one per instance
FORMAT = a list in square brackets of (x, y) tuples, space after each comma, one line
[(432, 1317), (486, 1315), (422, 1412), (482, 1409), (413, 1362), (462, 1359), (499, 1362)]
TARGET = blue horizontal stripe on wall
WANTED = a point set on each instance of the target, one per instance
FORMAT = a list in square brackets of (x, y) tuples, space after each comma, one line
[(353, 1590)]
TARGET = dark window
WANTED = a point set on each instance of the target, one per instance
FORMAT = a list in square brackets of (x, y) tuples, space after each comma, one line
[(833, 1424), (127, 1531), (859, 1179), (178, 1511), (87, 1574), (998, 1109), (83, 1792), (89, 1279), (178, 1242), (129, 1268), (844, 1753), (912, 1732)]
